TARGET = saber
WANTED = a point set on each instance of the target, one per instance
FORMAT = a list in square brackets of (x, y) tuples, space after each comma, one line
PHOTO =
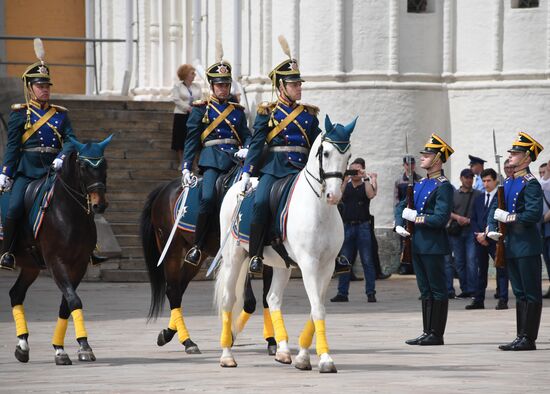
[(214, 264), (180, 213)]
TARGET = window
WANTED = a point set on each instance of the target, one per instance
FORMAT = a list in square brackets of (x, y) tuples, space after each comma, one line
[(525, 3), (420, 6)]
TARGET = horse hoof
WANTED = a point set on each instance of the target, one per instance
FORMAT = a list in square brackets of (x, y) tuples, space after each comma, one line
[(283, 357), (86, 355), (271, 350), (327, 368), (63, 359), (165, 336), (303, 365), (227, 362), (21, 355), (191, 347)]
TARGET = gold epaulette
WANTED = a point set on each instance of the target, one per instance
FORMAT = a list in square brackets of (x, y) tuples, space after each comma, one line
[(199, 103), (237, 105), (265, 107), (18, 107), (59, 108), (311, 109), (529, 177)]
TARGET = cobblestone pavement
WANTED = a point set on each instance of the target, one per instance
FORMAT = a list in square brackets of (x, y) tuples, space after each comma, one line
[(366, 340)]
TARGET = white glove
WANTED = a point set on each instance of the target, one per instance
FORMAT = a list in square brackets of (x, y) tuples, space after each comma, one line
[(494, 235), (186, 177), (409, 214), (5, 182), (501, 215), (57, 164), (245, 182), (401, 231), (241, 154)]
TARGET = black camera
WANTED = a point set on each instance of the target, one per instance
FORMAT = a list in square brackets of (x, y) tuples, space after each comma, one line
[(351, 172)]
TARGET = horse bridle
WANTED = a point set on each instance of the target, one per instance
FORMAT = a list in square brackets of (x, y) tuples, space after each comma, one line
[(85, 190), (323, 176)]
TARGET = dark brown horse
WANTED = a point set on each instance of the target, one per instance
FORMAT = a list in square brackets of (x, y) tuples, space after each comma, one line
[(64, 246), (172, 277)]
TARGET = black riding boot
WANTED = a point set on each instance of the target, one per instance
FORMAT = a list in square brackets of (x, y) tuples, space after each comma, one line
[(7, 260), (193, 256), (438, 321), (521, 314), (341, 265), (530, 327), (256, 247), (426, 316)]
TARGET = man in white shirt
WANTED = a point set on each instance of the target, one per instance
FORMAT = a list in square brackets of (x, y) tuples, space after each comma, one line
[(485, 247), (544, 171)]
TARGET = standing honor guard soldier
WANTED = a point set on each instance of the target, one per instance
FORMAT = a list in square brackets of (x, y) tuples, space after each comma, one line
[(217, 129), (433, 203), (38, 138), (523, 246), (289, 128), (477, 166)]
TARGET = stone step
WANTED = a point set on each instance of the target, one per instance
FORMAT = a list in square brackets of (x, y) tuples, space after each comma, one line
[(138, 195), (113, 125), (134, 252), (126, 133), (122, 216), (135, 164), (127, 240), (125, 205), (118, 115), (117, 275), (125, 228), (132, 264), (143, 174), (109, 105)]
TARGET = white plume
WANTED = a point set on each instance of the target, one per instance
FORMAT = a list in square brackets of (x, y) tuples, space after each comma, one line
[(219, 51), (39, 49), (284, 46)]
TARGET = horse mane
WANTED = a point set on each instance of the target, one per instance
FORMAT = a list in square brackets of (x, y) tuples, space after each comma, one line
[(68, 168)]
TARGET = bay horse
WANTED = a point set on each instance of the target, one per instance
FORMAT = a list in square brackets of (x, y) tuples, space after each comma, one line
[(64, 246), (315, 234), (172, 277)]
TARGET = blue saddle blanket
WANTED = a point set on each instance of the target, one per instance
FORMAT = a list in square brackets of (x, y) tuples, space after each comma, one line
[(241, 228), (38, 208)]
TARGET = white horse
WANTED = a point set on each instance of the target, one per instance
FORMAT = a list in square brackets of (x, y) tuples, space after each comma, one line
[(315, 234)]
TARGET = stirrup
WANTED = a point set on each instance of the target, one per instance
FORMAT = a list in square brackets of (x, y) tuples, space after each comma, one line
[(7, 261), (256, 265), (193, 256)]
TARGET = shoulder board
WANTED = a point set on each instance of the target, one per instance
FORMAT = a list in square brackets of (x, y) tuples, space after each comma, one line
[(59, 108), (265, 107), (529, 177), (237, 105), (442, 179), (199, 103), (17, 107), (311, 109)]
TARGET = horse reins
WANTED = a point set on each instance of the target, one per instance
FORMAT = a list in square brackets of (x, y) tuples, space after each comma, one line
[(323, 176)]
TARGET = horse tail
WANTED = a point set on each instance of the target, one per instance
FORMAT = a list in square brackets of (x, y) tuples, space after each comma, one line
[(157, 279)]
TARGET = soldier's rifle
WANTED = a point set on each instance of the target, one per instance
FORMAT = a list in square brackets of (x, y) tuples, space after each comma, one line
[(406, 253), (499, 254)]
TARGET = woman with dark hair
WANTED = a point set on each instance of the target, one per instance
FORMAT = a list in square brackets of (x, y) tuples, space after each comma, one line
[(183, 94)]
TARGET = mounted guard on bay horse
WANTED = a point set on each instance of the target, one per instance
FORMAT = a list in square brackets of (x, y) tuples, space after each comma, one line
[(302, 227), (218, 133), (50, 192)]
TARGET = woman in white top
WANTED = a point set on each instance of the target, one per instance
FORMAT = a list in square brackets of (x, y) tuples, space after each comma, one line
[(183, 94)]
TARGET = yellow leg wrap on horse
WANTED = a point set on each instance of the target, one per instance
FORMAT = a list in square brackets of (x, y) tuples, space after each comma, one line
[(19, 318), (172, 323), (242, 320), (78, 320), (321, 345), (59, 332), (306, 337), (177, 317), (268, 325), (279, 326), (226, 339)]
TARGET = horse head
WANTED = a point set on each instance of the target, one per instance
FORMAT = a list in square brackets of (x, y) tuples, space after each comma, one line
[(92, 170), (333, 155)]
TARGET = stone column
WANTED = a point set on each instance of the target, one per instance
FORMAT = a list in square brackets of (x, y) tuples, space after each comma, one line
[(393, 59), (339, 37), (448, 38), (498, 32), (267, 13), (154, 37), (175, 37)]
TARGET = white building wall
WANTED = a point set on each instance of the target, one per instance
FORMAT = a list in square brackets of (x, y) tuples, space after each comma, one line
[(462, 69)]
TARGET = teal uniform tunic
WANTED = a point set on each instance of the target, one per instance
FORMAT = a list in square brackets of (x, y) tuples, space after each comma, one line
[(298, 135), (433, 200), (522, 244), (217, 157), (25, 161)]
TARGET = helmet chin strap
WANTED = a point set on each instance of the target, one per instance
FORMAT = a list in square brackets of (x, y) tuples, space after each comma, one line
[(282, 89), (523, 161)]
